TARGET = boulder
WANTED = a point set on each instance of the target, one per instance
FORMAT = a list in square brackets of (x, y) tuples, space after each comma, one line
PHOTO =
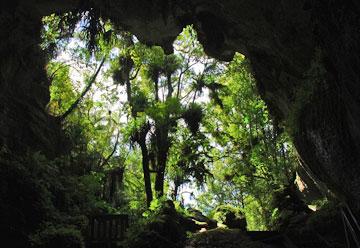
[(222, 238)]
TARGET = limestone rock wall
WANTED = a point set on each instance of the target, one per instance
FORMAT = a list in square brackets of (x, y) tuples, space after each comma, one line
[(24, 87)]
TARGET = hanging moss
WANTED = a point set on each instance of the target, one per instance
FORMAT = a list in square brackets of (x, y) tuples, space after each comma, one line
[(140, 102), (193, 116)]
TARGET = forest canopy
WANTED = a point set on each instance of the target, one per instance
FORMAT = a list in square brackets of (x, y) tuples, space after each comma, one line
[(181, 126)]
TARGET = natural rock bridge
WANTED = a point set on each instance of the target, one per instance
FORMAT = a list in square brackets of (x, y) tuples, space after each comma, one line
[(304, 55)]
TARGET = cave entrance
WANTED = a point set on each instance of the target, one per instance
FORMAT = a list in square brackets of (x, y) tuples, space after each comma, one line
[(182, 126), (143, 125)]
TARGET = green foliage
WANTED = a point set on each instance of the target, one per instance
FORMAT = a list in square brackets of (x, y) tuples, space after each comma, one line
[(61, 89), (60, 28), (156, 207), (257, 216), (28, 177), (162, 111), (161, 227), (57, 30), (58, 237), (255, 154), (221, 237), (199, 120), (193, 116), (139, 102), (220, 212), (36, 192)]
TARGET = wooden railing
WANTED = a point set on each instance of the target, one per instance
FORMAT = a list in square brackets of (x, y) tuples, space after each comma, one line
[(107, 230)]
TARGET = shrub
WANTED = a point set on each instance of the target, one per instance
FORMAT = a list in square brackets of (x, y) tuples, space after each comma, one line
[(231, 216), (162, 227), (25, 202), (61, 237)]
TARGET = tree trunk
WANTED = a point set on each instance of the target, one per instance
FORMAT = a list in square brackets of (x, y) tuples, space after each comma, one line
[(146, 170), (162, 143), (159, 183)]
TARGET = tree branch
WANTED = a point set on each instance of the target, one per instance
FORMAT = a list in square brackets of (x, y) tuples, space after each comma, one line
[(87, 88), (136, 73), (106, 160)]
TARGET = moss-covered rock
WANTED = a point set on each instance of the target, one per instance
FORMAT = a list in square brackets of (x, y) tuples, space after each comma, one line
[(322, 228), (231, 217), (167, 228), (202, 220), (222, 238)]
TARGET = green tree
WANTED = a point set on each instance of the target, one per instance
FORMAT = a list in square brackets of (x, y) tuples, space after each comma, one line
[(256, 158), (161, 90)]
